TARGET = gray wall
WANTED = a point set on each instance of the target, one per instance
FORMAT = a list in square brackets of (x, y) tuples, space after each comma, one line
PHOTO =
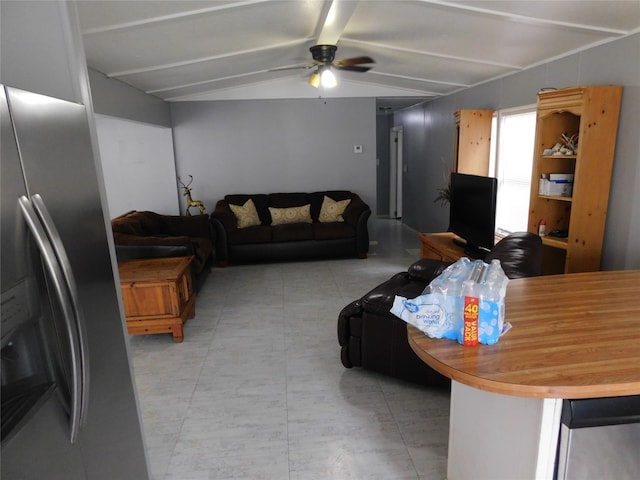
[(41, 50), (284, 145), (117, 99), (265, 146), (429, 137)]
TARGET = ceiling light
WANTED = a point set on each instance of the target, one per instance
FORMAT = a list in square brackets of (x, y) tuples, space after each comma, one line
[(314, 79), (323, 76), (328, 79)]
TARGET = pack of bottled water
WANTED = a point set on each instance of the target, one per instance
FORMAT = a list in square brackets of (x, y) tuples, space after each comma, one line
[(464, 303)]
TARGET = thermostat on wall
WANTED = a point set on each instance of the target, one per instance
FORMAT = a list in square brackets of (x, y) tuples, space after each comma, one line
[(357, 149)]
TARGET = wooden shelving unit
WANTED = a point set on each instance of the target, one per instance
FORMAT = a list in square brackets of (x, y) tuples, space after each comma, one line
[(592, 112), (473, 141)]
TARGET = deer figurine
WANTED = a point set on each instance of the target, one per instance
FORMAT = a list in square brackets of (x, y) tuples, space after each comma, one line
[(186, 191)]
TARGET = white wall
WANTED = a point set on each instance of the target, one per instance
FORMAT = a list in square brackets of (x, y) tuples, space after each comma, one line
[(138, 166), (268, 146)]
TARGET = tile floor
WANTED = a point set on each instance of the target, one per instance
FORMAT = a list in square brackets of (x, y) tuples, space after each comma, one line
[(257, 390)]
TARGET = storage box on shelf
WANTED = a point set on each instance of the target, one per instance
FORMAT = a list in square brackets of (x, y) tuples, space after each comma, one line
[(588, 115), (556, 184)]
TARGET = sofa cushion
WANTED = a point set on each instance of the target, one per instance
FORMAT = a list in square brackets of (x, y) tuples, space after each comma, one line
[(317, 198), (281, 216), (520, 255), (246, 215), (292, 232), (260, 200), (255, 234), (284, 200), (333, 230), (152, 223), (127, 226), (331, 211)]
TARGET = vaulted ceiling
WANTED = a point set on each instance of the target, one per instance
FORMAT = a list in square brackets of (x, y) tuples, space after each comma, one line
[(217, 50)]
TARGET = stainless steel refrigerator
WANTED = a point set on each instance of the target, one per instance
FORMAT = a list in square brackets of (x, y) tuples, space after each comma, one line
[(68, 404)]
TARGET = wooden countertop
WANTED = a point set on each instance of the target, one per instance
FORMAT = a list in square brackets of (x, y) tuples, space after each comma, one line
[(573, 336)]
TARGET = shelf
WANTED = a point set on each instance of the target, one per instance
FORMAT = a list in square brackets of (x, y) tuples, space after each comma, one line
[(560, 156), (592, 111), (555, 242), (556, 197)]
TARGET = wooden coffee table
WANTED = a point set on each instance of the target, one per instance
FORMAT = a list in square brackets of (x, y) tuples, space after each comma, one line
[(158, 295)]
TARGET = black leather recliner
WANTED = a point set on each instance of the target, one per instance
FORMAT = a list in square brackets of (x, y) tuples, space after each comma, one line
[(375, 339)]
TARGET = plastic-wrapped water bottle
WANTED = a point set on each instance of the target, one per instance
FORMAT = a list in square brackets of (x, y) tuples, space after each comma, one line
[(450, 280), (491, 312), (470, 292)]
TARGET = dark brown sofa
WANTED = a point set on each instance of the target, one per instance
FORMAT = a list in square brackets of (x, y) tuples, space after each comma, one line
[(290, 241), (144, 234), (370, 337)]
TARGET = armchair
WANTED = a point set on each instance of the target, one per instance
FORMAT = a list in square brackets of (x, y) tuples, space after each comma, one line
[(370, 337)]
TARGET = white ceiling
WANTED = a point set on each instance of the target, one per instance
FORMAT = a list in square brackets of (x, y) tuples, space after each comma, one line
[(218, 50)]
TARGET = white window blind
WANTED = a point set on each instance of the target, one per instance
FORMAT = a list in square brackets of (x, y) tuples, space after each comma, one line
[(511, 163)]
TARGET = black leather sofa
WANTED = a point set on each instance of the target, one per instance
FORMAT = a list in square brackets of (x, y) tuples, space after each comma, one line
[(370, 337), (311, 238), (144, 234)]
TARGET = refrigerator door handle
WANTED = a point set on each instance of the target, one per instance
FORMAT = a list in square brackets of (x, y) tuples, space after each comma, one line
[(54, 269), (67, 271)]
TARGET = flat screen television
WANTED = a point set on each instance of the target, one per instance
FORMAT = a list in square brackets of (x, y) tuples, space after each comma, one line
[(472, 214)]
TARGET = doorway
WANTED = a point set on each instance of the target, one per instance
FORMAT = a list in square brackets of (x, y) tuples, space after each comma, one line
[(395, 173)]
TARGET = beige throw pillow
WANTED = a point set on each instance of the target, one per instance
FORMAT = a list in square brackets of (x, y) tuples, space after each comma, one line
[(281, 216), (246, 215), (331, 211)]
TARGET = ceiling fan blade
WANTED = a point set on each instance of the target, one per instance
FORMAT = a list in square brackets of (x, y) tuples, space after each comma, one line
[(294, 67), (353, 68), (347, 62)]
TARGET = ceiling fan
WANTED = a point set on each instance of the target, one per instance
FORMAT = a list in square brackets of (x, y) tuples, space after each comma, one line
[(324, 62)]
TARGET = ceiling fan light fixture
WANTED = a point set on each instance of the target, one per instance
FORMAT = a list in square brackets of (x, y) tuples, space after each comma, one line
[(328, 79), (314, 79)]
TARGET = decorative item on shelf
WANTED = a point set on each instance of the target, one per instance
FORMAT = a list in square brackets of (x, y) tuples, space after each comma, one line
[(568, 145), (186, 191), (542, 228), (570, 142)]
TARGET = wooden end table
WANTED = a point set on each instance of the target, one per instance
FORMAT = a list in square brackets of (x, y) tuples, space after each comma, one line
[(158, 295), (440, 246)]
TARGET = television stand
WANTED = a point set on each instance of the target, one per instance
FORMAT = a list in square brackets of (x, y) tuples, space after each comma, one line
[(447, 247), (440, 246)]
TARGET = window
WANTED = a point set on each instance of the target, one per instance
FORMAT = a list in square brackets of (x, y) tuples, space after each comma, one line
[(511, 163)]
